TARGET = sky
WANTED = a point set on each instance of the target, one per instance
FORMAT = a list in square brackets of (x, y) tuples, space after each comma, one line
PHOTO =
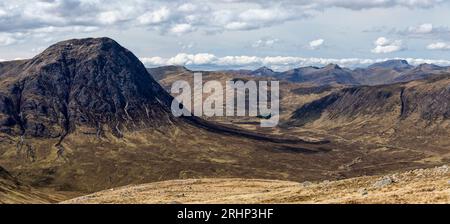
[(231, 34)]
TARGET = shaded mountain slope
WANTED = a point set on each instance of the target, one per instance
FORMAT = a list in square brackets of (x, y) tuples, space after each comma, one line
[(413, 115), (427, 100), (422, 71), (331, 74), (13, 191)]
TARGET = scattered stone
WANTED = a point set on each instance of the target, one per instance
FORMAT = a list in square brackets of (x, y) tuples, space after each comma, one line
[(363, 191), (326, 182), (443, 169), (383, 182), (306, 184)]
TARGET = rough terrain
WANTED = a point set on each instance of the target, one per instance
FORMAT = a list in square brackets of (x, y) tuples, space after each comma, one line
[(416, 186)]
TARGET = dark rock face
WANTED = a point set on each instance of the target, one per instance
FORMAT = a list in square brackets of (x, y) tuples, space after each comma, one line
[(428, 101), (87, 82)]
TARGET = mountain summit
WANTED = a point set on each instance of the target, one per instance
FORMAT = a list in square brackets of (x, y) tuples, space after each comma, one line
[(82, 82), (263, 71), (395, 64)]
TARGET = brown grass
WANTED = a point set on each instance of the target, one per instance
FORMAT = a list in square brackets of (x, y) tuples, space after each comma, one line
[(417, 186)]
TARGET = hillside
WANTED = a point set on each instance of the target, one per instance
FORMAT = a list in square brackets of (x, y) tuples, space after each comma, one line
[(330, 74), (413, 115), (13, 191), (416, 186)]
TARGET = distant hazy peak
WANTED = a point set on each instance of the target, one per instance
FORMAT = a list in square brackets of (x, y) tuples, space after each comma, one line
[(392, 64)]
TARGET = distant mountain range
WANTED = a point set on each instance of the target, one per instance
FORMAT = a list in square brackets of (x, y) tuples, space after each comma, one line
[(387, 72)]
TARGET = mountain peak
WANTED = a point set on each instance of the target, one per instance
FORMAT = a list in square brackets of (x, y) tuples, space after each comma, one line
[(264, 68), (84, 47), (93, 82), (428, 66), (392, 64), (332, 66), (263, 71)]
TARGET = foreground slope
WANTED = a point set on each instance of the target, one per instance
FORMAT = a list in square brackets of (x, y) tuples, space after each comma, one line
[(13, 191), (416, 186)]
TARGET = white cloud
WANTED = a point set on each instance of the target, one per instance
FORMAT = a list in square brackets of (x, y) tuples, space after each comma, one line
[(191, 59), (181, 28), (315, 44), (208, 16), (384, 45), (421, 29), (275, 62), (155, 17), (439, 46), (187, 7), (186, 46), (265, 42), (109, 18), (358, 4), (425, 30), (6, 40)]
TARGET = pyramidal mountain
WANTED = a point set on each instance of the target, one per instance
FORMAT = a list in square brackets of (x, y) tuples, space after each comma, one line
[(94, 83), (263, 71), (398, 65)]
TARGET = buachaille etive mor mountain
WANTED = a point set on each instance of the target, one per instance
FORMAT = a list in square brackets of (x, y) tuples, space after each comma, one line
[(89, 82)]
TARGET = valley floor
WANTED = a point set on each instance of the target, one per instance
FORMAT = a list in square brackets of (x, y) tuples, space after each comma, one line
[(416, 186)]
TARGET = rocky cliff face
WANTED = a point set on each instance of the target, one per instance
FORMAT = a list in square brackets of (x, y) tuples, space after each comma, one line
[(425, 100), (88, 82)]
